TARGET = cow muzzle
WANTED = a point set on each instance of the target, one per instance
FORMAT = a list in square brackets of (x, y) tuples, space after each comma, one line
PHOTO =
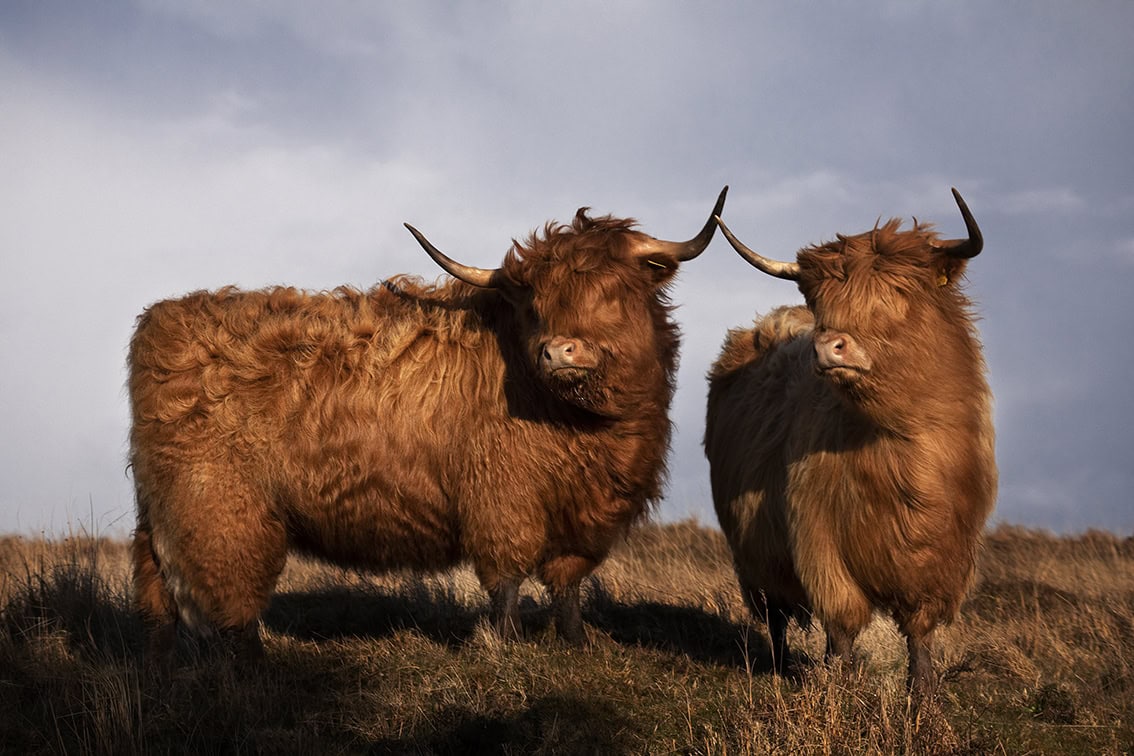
[(567, 359), (840, 356)]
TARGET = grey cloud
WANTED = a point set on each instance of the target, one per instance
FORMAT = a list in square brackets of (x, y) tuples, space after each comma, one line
[(155, 147)]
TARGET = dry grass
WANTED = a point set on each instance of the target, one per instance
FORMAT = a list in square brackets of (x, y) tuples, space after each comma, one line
[(1040, 662)]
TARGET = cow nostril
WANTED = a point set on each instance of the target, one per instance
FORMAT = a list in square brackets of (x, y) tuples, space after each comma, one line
[(839, 346), (569, 347)]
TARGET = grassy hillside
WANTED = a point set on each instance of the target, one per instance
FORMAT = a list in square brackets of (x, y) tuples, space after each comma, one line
[(1041, 661)]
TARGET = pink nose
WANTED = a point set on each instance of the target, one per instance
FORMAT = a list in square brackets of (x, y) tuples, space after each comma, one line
[(834, 350), (560, 352)]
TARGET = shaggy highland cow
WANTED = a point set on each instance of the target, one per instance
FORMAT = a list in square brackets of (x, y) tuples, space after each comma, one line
[(516, 419), (850, 441)]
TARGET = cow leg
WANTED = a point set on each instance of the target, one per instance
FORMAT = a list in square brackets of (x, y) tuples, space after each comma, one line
[(840, 643), (243, 643), (223, 550), (562, 575), (777, 621), (922, 678), (918, 626), (505, 611), (568, 613), (232, 601), (775, 618), (154, 603)]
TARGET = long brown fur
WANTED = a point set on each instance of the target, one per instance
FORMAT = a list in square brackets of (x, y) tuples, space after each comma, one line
[(408, 426), (840, 498)]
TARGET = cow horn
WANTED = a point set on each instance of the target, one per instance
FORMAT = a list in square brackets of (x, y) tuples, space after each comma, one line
[(685, 251), (963, 248), (482, 277), (788, 271)]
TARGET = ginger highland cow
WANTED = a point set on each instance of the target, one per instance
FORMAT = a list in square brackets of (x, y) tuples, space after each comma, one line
[(515, 418), (850, 440)]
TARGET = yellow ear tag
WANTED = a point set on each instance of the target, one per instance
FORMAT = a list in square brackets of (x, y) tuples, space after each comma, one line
[(942, 279), (656, 264)]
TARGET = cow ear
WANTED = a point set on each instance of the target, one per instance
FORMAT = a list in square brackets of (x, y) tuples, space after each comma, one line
[(948, 270), (513, 293), (660, 267)]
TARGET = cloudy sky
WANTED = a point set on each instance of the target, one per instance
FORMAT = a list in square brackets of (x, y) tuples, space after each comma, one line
[(153, 147)]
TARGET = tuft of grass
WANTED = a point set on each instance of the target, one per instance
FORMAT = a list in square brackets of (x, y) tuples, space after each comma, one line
[(1039, 662)]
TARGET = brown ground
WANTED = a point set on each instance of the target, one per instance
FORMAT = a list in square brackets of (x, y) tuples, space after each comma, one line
[(1040, 662)]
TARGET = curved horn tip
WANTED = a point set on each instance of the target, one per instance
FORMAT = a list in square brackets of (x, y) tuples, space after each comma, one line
[(717, 208), (970, 247), (961, 204), (686, 251), (420, 237)]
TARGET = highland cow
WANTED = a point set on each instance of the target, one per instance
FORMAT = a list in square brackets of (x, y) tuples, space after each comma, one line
[(850, 440), (515, 418)]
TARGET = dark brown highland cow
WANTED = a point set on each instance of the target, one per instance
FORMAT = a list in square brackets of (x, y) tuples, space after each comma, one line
[(850, 441), (516, 418)]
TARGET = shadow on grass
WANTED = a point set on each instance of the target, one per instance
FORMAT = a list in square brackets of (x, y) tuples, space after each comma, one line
[(688, 631), (337, 613), (551, 724)]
